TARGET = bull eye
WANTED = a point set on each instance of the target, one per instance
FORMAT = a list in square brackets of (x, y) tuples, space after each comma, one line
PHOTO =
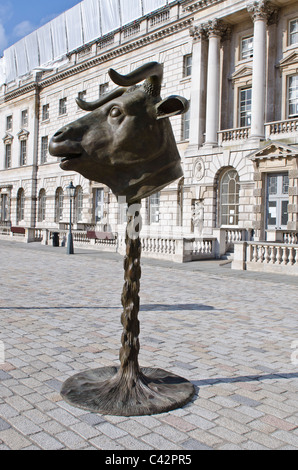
[(115, 112)]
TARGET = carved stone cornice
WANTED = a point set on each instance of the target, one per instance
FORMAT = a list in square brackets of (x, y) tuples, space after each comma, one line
[(192, 6), (263, 10), (117, 51)]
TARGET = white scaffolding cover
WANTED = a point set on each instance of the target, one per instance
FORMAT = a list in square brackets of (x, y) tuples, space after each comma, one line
[(58, 28), (90, 20), (45, 44), (32, 49), (130, 10), (83, 23), (110, 15), (151, 5), (74, 28)]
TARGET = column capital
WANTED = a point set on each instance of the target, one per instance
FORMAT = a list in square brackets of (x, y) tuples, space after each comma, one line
[(263, 10), (218, 28), (198, 32)]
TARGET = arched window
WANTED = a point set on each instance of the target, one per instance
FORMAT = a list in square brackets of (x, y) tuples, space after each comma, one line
[(20, 205), (229, 198), (59, 197), (41, 205), (78, 204)]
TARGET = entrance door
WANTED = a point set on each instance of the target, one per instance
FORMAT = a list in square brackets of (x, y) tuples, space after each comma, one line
[(277, 200)]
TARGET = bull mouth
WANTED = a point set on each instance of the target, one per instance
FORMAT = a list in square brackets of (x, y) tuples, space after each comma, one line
[(71, 156)]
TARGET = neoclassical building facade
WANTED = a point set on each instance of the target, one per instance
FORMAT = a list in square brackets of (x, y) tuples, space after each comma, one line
[(237, 63)]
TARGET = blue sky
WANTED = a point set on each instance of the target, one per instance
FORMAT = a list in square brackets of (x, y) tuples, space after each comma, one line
[(19, 17)]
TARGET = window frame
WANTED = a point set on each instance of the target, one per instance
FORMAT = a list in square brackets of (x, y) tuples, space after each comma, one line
[(24, 118), (23, 152), (42, 200), (45, 116), (59, 203), (241, 53), (229, 204), (154, 208), (20, 205), (295, 115), (278, 197), (7, 159), (44, 149), (187, 67), (247, 116), (290, 43), (63, 106)]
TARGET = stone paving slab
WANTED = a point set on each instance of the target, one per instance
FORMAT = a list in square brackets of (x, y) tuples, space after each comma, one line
[(233, 335)]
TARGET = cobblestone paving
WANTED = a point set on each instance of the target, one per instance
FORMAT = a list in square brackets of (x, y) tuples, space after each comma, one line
[(234, 335)]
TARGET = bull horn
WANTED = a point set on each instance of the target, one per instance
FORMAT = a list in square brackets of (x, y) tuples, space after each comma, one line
[(101, 101), (152, 72)]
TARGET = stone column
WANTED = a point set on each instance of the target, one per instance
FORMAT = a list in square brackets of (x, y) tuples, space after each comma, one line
[(216, 29), (198, 87), (261, 13)]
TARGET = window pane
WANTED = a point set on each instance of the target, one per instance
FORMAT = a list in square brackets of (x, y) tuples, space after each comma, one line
[(293, 95), (245, 107), (285, 184), (247, 48), (293, 31), (284, 212), (272, 184), (272, 213), (229, 198)]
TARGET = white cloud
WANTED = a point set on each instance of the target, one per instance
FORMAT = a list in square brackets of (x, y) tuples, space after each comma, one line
[(3, 39), (23, 28)]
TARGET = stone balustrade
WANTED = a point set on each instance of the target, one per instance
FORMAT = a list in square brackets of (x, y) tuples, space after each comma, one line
[(266, 256)]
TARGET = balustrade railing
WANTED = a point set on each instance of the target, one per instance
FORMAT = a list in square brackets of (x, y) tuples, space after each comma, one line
[(281, 127), (266, 256)]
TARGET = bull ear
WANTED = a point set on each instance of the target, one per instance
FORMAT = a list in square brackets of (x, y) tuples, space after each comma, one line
[(171, 106)]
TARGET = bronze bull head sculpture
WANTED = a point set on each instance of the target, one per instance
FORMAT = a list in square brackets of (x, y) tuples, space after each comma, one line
[(127, 141)]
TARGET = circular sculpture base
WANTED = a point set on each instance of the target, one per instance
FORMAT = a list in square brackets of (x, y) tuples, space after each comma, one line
[(107, 391)]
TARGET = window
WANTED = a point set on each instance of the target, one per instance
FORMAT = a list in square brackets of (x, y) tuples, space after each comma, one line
[(154, 202), (59, 197), (44, 149), (42, 205), (245, 107), (185, 125), (229, 198), (4, 208), (103, 89), (81, 96), (187, 65), (9, 123), (7, 161), (45, 112), (293, 96), (122, 211), (78, 204), (293, 31), (23, 152), (277, 200), (20, 205), (24, 118), (62, 106), (99, 205), (246, 50)]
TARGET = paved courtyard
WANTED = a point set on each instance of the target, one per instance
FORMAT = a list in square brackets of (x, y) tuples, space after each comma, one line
[(234, 335)]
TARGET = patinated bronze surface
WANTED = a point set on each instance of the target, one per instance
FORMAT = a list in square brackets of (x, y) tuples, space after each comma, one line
[(127, 143)]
